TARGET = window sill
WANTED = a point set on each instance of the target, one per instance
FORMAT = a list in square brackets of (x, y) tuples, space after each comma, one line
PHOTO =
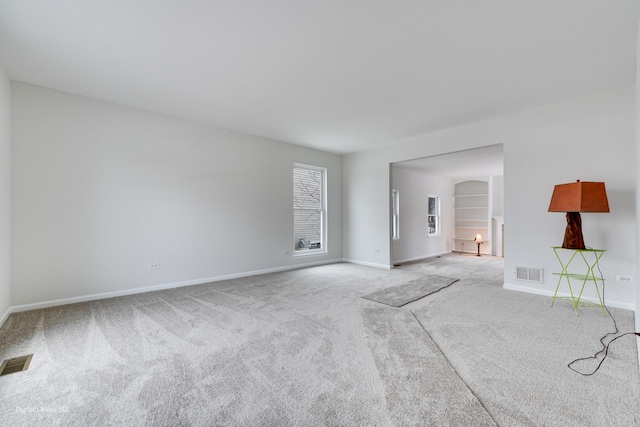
[(310, 253)]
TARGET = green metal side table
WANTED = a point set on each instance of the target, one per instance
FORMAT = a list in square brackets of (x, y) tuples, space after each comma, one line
[(589, 276)]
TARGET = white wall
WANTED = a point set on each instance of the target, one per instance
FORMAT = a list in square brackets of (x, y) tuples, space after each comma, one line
[(5, 196), (414, 188), (637, 117), (100, 191), (497, 196), (497, 214), (591, 139)]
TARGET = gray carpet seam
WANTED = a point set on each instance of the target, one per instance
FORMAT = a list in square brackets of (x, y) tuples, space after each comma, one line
[(382, 296), (431, 293), (454, 369)]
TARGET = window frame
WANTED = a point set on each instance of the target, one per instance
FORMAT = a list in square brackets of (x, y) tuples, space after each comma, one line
[(322, 211), (436, 216), (395, 214)]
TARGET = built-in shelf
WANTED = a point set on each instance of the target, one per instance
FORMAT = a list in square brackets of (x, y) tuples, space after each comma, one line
[(471, 216)]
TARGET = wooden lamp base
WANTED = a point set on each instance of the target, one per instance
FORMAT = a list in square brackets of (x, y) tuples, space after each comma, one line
[(573, 233)]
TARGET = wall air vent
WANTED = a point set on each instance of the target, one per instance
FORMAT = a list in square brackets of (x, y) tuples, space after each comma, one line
[(530, 274)]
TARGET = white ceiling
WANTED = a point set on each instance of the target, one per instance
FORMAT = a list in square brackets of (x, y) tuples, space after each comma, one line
[(475, 163), (337, 75)]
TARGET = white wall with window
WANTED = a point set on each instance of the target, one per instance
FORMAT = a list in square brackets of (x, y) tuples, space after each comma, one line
[(433, 215), (309, 209), (425, 231), (204, 203)]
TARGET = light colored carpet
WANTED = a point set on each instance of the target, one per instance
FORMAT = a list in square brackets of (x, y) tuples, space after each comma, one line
[(420, 386), (302, 348), (286, 349), (397, 296), (519, 368), (512, 349)]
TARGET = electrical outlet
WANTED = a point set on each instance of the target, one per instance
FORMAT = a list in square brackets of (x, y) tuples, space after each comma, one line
[(620, 278), (153, 265)]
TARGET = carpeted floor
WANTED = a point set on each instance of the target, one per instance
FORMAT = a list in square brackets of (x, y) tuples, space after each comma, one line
[(302, 348), (413, 290)]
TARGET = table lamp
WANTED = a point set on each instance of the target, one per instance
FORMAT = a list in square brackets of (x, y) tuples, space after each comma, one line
[(574, 198), (479, 241)]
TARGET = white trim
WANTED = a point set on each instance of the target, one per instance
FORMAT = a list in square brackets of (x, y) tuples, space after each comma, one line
[(306, 166), (421, 257), (366, 263), (5, 316), (395, 214), (125, 292), (438, 216), (547, 293), (310, 252), (637, 313), (324, 212)]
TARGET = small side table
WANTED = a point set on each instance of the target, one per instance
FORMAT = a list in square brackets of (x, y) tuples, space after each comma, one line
[(587, 277)]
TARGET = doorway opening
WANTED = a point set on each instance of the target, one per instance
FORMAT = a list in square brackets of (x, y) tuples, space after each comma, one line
[(441, 203)]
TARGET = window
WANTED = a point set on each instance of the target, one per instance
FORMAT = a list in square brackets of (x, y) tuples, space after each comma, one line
[(309, 209), (395, 214), (433, 215)]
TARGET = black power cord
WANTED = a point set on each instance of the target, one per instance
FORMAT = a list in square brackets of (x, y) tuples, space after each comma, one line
[(605, 347)]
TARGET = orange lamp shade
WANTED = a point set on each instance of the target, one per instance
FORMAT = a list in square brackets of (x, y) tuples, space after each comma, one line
[(579, 197)]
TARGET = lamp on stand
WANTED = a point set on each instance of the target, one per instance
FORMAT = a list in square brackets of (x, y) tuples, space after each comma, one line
[(574, 198), (478, 241)]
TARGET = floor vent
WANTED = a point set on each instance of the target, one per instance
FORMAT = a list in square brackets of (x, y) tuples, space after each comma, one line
[(530, 274), (17, 364)]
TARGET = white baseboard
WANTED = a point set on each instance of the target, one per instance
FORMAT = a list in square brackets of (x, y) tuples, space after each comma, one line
[(420, 257), (5, 316), (547, 293), (125, 292), (366, 263), (638, 338)]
